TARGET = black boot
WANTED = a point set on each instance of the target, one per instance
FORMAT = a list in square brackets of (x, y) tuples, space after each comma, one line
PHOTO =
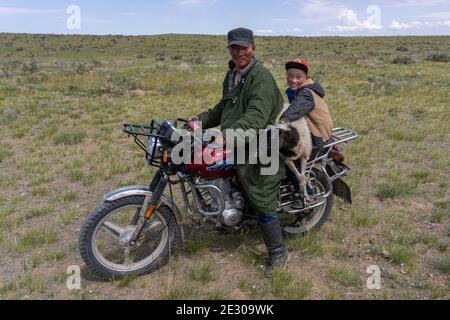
[(278, 252)]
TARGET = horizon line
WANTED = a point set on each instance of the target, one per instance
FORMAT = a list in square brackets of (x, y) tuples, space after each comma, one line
[(224, 35)]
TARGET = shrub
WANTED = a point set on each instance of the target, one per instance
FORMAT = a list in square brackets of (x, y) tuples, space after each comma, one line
[(119, 85), (8, 115), (403, 60), (81, 68), (40, 76), (30, 67), (438, 57), (379, 85), (9, 68)]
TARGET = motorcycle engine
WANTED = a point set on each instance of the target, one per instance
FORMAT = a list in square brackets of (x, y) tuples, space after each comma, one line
[(234, 202)]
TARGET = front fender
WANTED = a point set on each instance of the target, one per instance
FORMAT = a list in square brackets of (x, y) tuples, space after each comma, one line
[(144, 191)]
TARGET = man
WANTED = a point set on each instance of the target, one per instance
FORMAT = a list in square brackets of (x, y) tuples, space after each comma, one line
[(252, 100)]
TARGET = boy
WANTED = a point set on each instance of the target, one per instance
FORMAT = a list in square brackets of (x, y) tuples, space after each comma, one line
[(306, 100)]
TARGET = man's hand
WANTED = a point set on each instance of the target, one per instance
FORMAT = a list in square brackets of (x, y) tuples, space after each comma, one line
[(191, 123)]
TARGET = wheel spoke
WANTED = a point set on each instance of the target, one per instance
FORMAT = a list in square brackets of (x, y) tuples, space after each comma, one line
[(151, 230), (113, 247), (135, 219), (154, 226), (112, 229), (128, 257)]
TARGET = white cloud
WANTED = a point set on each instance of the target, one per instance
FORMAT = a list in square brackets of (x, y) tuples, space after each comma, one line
[(313, 11), (265, 31), (418, 24), (320, 7), (399, 25), (409, 3), (435, 15), (15, 10), (353, 23), (191, 2)]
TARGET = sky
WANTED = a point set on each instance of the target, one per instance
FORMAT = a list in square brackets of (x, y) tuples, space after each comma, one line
[(264, 17)]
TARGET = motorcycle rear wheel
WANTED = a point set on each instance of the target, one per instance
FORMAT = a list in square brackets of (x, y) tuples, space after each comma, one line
[(306, 222)]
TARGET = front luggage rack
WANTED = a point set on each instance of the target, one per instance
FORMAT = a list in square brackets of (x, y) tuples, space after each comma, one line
[(154, 140)]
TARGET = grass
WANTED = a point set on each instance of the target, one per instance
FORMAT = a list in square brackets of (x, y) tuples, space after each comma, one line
[(441, 211), (63, 98), (35, 238), (309, 244), (421, 175), (390, 190), (217, 295), (344, 275), (5, 151), (364, 218), (286, 286), (39, 191), (251, 256), (178, 292), (28, 284), (7, 288), (197, 243), (442, 265), (69, 137), (402, 255), (124, 282), (6, 211), (202, 272), (69, 196), (37, 212), (8, 222), (40, 179), (66, 217)]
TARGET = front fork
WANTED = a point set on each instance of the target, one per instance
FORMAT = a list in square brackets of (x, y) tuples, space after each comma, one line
[(157, 186)]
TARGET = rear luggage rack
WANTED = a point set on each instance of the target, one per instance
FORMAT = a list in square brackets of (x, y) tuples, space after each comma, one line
[(338, 136), (341, 135)]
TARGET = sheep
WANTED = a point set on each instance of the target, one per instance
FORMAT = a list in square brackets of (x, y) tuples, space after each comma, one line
[(294, 143)]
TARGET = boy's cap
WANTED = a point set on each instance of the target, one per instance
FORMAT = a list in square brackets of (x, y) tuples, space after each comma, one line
[(298, 63), (241, 37)]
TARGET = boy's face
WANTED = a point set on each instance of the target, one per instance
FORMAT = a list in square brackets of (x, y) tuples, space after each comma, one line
[(295, 78)]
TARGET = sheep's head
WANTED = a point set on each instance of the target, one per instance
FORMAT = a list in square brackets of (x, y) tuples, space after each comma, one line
[(288, 137)]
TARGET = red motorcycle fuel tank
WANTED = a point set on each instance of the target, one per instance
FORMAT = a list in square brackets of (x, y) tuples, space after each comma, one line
[(213, 164)]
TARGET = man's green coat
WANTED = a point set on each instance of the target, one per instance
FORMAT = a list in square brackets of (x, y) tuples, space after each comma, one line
[(253, 104)]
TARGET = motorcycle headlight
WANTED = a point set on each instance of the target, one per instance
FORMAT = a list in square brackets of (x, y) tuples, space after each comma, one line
[(153, 144)]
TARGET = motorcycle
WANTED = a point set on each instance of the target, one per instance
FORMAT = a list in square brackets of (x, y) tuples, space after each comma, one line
[(135, 227)]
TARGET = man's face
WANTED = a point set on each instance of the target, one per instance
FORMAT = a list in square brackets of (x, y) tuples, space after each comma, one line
[(295, 78), (241, 56)]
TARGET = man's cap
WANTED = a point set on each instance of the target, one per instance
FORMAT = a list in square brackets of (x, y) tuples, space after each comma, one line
[(298, 63), (241, 37)]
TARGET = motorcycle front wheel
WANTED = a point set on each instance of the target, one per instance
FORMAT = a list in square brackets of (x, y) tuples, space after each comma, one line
[(104, 236)]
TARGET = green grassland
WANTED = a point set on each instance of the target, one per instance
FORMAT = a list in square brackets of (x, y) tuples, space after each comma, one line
[(62, 99)]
